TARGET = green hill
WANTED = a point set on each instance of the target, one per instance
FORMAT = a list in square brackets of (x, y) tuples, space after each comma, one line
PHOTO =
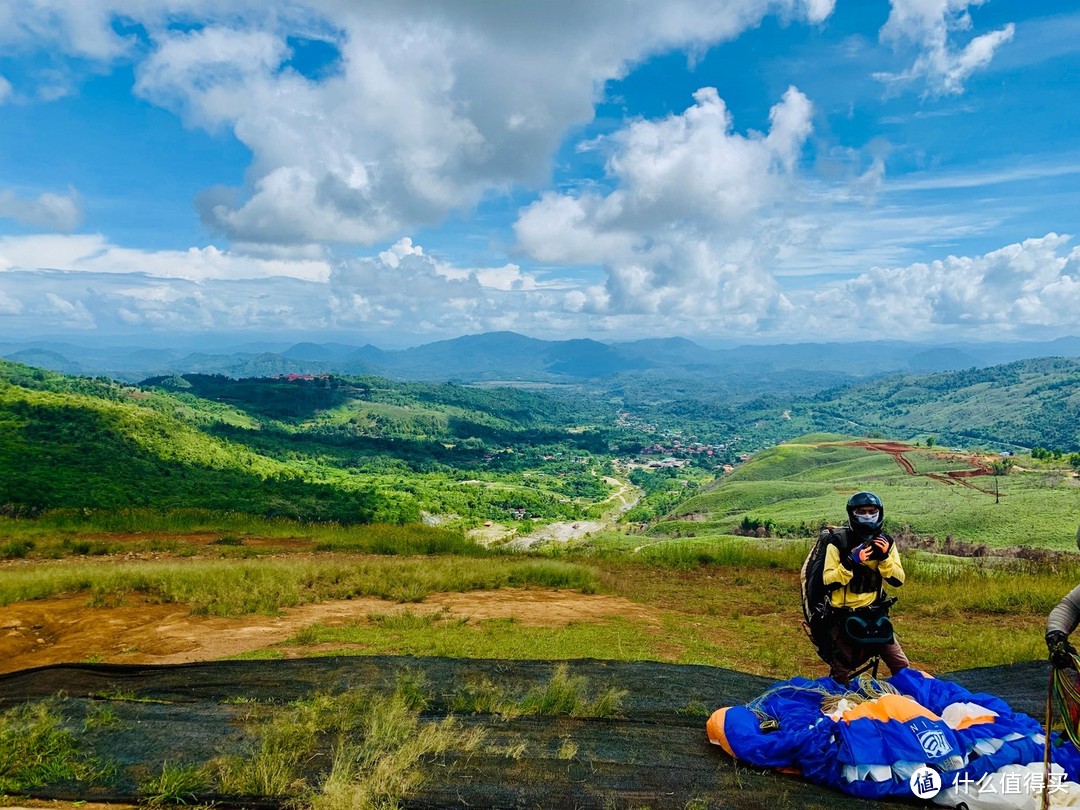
[(1030, 403), (63, 449), (317, 448), (794, 488)]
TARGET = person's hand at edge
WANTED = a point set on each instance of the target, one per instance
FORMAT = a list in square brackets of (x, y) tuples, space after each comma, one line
[(1061, 651)]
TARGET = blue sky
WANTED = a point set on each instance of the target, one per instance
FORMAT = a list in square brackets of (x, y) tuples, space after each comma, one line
[(728, 171)]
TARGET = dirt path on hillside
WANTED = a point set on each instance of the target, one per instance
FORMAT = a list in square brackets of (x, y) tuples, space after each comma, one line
[(64, 630), (625, 498), (895, 449)]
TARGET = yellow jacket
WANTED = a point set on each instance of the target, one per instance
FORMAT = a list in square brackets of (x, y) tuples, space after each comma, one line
[(852, 585)]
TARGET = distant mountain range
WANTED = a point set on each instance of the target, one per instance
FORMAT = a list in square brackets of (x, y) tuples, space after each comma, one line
[(508, 356)]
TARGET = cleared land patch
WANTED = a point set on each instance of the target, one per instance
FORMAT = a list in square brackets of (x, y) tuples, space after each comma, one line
[(64, 629)]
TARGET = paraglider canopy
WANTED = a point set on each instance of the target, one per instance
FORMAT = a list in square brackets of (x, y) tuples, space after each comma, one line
[(881, 739)]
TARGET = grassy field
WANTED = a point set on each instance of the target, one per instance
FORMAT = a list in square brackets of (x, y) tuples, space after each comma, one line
[(701, 595), (724, 601), (802, 485)]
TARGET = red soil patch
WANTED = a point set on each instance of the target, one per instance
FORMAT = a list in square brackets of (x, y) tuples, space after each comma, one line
[(65, 629), (897, 450)]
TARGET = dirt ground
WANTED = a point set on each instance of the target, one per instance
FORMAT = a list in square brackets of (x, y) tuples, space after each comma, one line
[(65, 630)]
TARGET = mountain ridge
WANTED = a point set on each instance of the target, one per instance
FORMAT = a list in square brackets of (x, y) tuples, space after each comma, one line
[(509, 355)]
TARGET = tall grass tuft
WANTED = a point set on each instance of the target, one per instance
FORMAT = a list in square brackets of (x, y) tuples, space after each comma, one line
[(381, 769), (379, 744), (272, 766), (36, 749), (175, 785), (566, 694)]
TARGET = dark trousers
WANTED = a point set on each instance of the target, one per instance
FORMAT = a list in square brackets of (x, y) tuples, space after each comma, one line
[(847, 656)]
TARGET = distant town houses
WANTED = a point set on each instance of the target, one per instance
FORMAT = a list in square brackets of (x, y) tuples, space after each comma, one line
[(293, 377), (677, 448)]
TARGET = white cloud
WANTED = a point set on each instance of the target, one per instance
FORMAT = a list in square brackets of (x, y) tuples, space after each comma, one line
[(429, 106), (5, 89), (69, 314), (1003, 294), (58, 212), (81, 29), (686, 230), (1014, 291), (9, 305), (92, 253), (928, 25), (48, 251)]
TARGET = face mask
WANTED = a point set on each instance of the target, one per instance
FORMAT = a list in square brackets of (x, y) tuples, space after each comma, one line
[(868, 520)]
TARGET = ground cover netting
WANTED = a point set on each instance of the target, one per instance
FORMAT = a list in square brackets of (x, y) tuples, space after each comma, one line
[(647, 749)]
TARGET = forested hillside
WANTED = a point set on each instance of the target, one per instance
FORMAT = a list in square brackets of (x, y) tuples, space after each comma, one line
[(91, 444), (355, 449), (1029, 403), (338, 449)]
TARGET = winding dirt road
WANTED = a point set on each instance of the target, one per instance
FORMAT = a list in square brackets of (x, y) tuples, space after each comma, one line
[(623, 500), (895, 449)]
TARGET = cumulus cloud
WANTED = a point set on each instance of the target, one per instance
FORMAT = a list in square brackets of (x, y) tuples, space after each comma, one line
[(82, 29), (48, 211), (929, 25), (402, 290), (84, 282), (408, 122), (687, 227), (1021, 287), (427, 107)]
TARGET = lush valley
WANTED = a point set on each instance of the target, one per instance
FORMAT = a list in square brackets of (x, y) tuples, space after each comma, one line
[(326, 449), (361, 448)]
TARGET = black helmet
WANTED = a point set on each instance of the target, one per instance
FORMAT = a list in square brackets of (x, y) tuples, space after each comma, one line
[(858, 526)]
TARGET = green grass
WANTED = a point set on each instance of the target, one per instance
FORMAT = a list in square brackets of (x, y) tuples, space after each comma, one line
[(64, 532), (799, 486), (706, 547), (36, 749), (435, 634), (567, 695), (237, 588), (175, 785), (379, 745)]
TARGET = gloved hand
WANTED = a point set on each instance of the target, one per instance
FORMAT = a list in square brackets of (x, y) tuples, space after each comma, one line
[(860, 554), (880, 547), (1061, 651)]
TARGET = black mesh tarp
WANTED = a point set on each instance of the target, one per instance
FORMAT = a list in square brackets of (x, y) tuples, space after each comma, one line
[(653, 754)]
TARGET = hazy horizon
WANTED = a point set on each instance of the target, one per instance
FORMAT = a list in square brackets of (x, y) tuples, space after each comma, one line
[(270, 342)]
